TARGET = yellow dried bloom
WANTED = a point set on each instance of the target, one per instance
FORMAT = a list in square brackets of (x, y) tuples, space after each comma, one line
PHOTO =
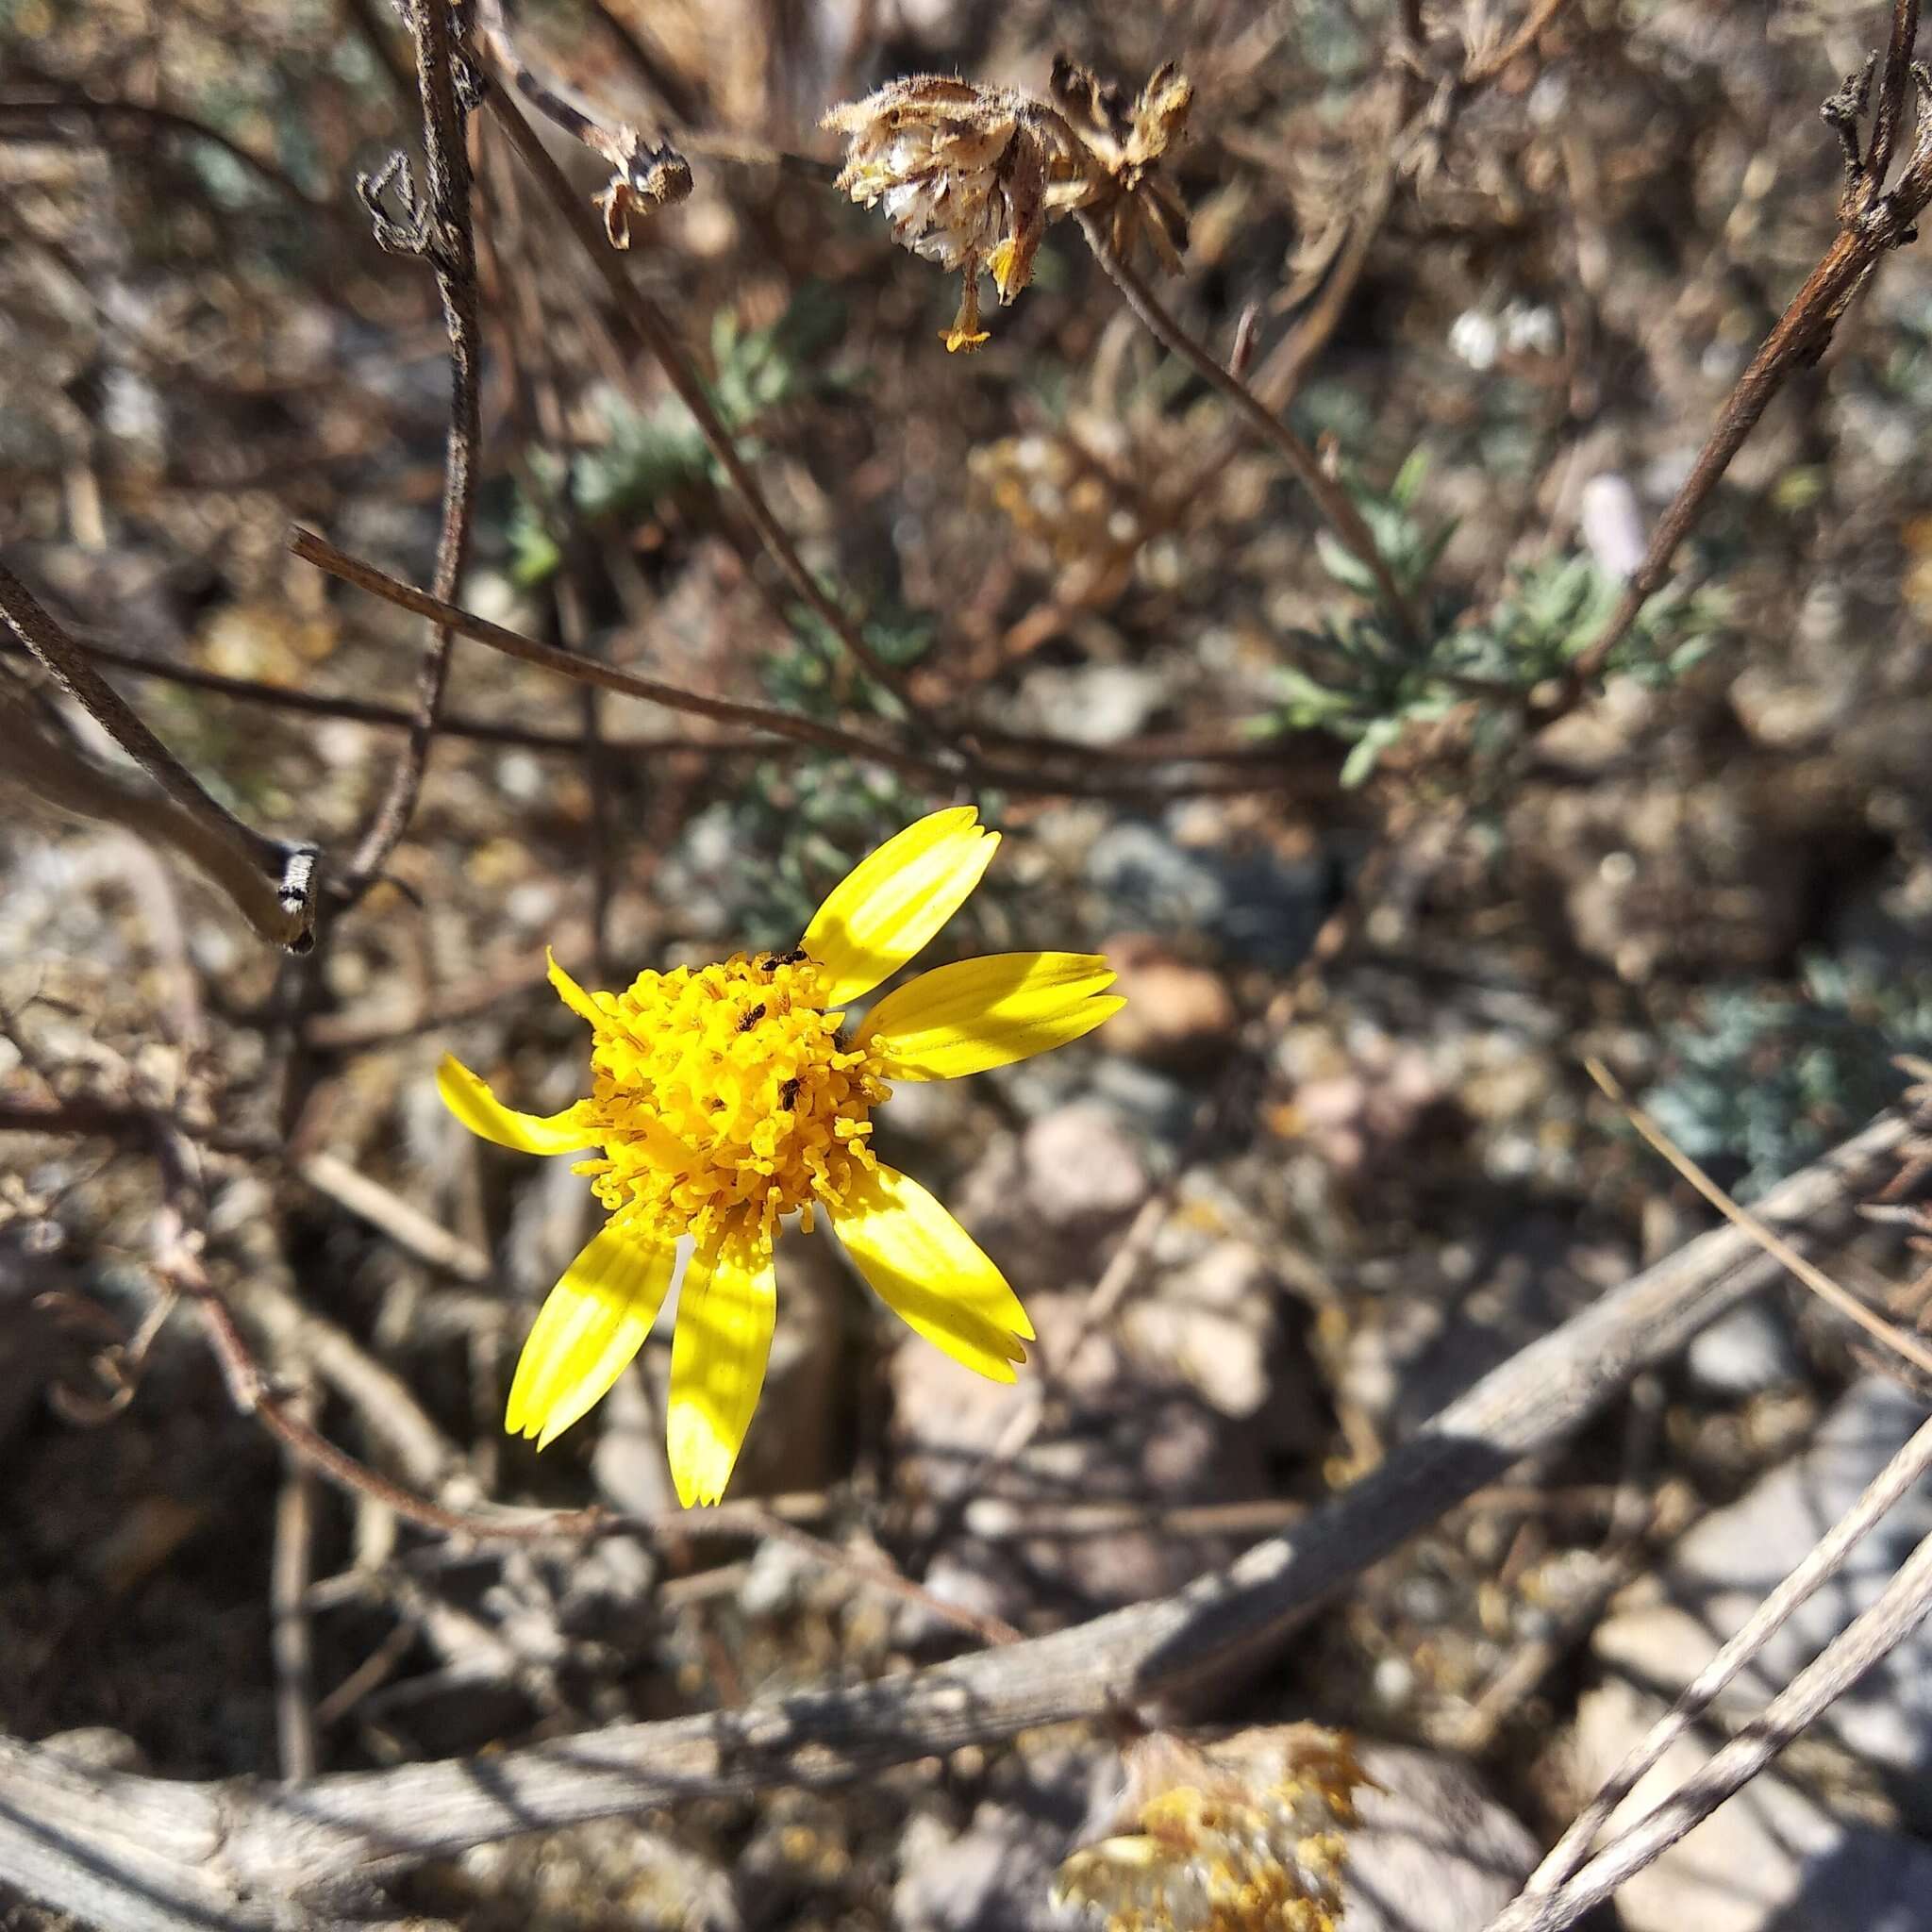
[(968, 178), (726, 1097), (1247, 1836)]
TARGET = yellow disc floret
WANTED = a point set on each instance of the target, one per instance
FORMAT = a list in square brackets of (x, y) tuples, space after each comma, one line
[(725, 1097)]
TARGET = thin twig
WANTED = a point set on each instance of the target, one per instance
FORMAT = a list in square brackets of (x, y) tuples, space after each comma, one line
[(400, 1219), (270, 881), (1331, 499), (442, 235), (1814, 1277), (352, 569), (284, 697), (290, 1635), (140, 124), (1866, 1640), (1899, 1476)]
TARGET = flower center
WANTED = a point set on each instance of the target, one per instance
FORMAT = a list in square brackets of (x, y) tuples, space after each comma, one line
[(724, 1097)]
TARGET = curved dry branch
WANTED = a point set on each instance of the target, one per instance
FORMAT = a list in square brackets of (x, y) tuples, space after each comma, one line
[(270, 881), (143, 1854)]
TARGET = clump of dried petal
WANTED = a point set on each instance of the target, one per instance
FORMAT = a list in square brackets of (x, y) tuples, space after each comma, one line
[(968, 178), (1077, 495), (1131, 140), (1243, 1835), (642, 180)]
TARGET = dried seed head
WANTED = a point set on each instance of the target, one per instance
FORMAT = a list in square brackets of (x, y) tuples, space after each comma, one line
[(968, 178), (1130, 141), (642, 180), (1243, 1835)]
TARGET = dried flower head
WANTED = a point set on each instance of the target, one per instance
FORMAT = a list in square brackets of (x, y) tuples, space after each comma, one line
[(1075, 494), (1243, 1835), (969, 175), (642, 180), (1130, 142)]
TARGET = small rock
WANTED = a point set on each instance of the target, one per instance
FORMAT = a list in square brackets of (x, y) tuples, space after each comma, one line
[(1255, 904), (1176, 1014), (1082, 1167), (1669, 876), (1750, 1350), (587, 1875), (1123, 1429), (1611, 522), (1433, 1852), (1093, 704), (997, 1875)]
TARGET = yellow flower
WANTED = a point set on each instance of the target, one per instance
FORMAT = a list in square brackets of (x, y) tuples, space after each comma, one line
[(728, 1096)]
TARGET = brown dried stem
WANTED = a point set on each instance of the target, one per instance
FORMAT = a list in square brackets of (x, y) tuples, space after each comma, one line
[(284, 697), (270, 881), (1330, 498), (441, 233), (1873, 222)]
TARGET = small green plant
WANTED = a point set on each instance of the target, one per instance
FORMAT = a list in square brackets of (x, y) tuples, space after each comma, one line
[(1761, 1083), (657, 457), (1364, 681)]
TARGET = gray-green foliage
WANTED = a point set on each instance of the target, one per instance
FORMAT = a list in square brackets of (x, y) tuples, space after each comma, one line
[(1363, 680), (653, 458), (1766, 1082)]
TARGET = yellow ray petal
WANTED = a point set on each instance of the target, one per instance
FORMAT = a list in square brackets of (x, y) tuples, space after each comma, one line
[(892, 902), (468, 1096), (570, 993), (725, 1312), (587, 1333), (932, 1274), (987, 1012)]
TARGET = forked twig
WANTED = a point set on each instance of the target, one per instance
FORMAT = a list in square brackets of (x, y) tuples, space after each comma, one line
[(441, 232), (1900, 1609), (1571, 1851)]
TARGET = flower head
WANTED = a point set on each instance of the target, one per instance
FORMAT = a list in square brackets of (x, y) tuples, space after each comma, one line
[(969, 175), (1130, 141), (1245, 1836), (728, 1096)]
